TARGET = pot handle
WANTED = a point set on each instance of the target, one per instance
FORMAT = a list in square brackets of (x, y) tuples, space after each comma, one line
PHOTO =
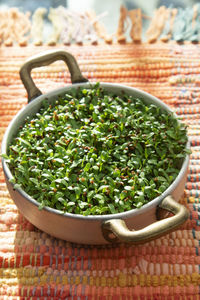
[(121, 232), (44, 59)]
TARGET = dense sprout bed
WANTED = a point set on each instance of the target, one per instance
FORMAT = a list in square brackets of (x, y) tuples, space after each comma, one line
[(95, 153)]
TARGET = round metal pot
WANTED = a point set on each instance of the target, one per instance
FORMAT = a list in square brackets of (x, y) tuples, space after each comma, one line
[(136, 225)]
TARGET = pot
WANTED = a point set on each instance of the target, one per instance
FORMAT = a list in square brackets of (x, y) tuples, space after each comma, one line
[(135, 226)]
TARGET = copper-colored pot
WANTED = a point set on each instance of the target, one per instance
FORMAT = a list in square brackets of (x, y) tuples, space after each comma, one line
[(136, 225)]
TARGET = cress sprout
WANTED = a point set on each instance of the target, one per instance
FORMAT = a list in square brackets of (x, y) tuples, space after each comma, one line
[(96, 153)]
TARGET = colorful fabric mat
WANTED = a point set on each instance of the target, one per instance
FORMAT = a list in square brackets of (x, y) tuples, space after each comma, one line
[(34, 265)]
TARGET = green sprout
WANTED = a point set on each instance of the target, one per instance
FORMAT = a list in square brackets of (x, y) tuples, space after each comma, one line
[(94, 152)]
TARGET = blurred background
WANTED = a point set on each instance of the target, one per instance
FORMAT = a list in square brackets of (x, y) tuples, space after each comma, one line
[(111, 7), (108, 11)]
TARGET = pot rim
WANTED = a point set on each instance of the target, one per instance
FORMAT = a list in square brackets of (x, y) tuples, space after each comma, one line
[(122, 215)]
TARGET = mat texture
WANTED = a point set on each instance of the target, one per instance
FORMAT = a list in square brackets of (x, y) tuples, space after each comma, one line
[(34, 265)]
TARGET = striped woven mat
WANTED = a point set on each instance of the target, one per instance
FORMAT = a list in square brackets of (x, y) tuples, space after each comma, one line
[(34, 265)]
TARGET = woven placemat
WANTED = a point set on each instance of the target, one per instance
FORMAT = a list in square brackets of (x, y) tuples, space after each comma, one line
[(34, 265)]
